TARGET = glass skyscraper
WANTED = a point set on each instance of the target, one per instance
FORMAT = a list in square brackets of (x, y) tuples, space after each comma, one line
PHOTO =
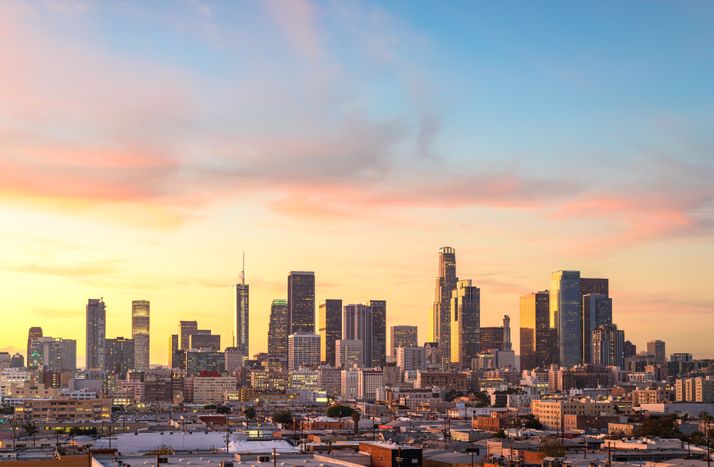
[(535, 330), (329, 328), (445, 283), (565, 316), (140, 310), (278, 329), (379, 332), (242, 315), (465, 323), (301, 302), (95, 333)]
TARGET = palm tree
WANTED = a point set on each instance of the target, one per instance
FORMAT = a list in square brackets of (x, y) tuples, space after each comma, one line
[(31, 430), (355, 418)]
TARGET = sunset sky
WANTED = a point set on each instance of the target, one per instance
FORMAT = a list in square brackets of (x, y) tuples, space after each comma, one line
[(145, 145)]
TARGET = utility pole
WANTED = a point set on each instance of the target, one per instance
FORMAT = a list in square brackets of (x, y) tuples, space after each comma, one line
[(275, 457)]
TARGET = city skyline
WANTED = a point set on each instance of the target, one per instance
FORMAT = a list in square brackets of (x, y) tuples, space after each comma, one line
[(356, 152), (588, 290)]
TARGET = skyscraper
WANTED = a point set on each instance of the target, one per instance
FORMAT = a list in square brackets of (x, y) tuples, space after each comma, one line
[(357, 325), (303, 349), (278, 329), (96, 324), (491, 338), (140, 310), (465, 323), (535, 330), (119, 356), (59, 354), (379, 332), (445, 283), (657, 348), (596, 310), (565, 315), (301, 302), (34, 355), (330, 328), (608, 344), (173, 347), (403, 336), (242, 314), (186, 328)]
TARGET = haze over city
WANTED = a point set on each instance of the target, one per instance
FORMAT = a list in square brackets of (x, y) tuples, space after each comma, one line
[(144, 149)]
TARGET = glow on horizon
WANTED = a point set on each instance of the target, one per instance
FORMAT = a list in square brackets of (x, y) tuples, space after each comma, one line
[(142, 150)]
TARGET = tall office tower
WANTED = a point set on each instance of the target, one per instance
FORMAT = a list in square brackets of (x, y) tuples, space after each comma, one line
[(95, 333), (565, 316), (403, 336), (140, 310), (301, 302), (590, 285), (59, 354), (186, 328), (242, 313), (203, 339), (357, 325), (330, 328), (465, 323), (441, 314), (596, 310), (608, 346), (630, 349), (491, 338), (535, 330), (657, 348), (35, 332), (507, 345), (119, 356), (173, 347), (278, 329), (379, 332), (303, 350), (349, 352)]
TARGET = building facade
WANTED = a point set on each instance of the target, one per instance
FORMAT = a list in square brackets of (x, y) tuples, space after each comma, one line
[(140, 327), (465, 323), (403, 336), (303, 349), (441, 311), (301, 302), (565, 315), (96, 322), (329, 328), (278, 329)]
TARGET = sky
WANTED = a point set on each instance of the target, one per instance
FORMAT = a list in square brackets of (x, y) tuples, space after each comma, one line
[(144, 146)]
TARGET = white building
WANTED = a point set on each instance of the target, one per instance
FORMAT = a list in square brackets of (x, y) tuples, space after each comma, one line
[(411, 358), (303, 349), (348, 352), (349, 383), (368, 380)]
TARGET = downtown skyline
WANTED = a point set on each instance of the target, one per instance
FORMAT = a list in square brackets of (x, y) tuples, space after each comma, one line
[(354, 152)]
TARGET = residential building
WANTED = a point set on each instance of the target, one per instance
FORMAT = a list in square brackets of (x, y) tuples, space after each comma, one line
[(349, 352), (303, 349), (411, 358)]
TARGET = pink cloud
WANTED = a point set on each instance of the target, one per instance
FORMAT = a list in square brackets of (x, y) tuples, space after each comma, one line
[(297, 19)]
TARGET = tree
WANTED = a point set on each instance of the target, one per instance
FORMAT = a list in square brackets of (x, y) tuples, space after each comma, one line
[(7, 409), (31, 430), (339, 411), (249, 412), (552, 447), (533, 423), (210, 407), (223, 409), (662, 427), (355, 418), (284, 417), (482, 399), (451, 395)]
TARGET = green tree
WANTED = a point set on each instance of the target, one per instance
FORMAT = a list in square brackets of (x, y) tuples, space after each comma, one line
[(249, 412), (533, 423), (482, 399), (662, 427), (210, 406), (285, 417), (451, 395), (339, 411), (552, 447), (223, 409)]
